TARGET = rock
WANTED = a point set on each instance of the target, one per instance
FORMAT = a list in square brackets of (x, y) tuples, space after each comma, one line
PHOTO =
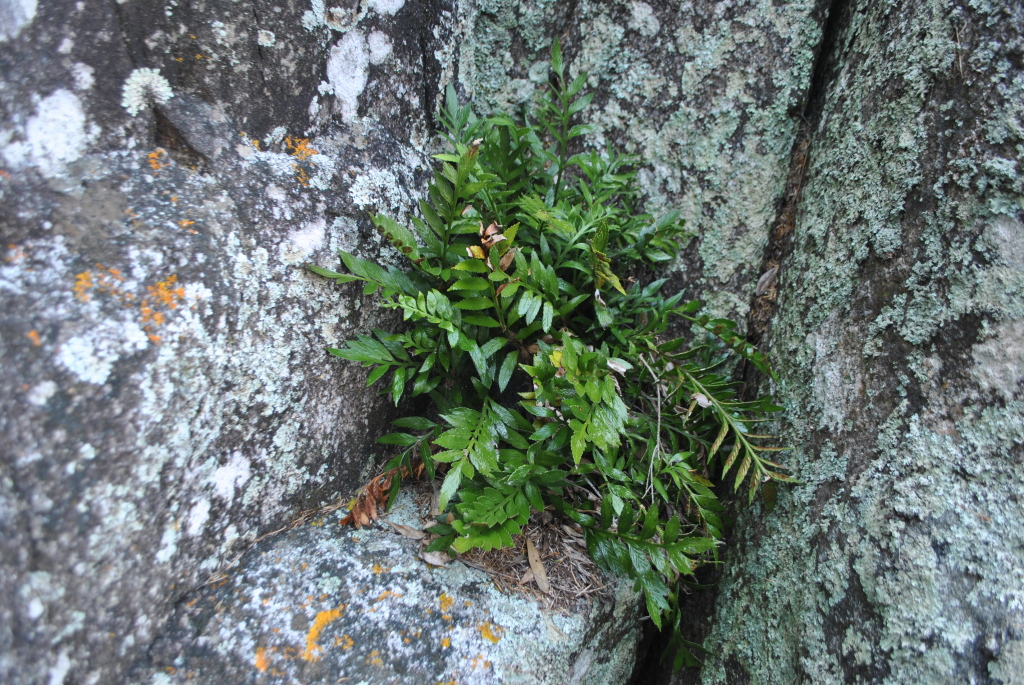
[(166, 169), (708, 94), (900, 559), (166, 394), (323, 603)]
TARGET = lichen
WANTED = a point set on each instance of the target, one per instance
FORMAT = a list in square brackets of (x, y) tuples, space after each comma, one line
[(896, 559), (142, 87), (683, 90), (56, 135)]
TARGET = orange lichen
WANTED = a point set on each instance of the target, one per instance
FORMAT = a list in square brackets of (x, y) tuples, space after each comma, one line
[(346, 642), (14, 254), (491, 631), (375, 659), (262, 661), (323, 619), (156, 159), (163, 295), (386, 594), (33, 335), (447, 602), (105, 280), (166, 293), (185, 223), (300, 148), (83, 282), (378, 569), (446, 642)]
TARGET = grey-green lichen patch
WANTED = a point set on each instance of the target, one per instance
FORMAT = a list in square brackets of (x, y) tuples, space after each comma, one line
[(1008, 668), (322, 603), (704, 95), (899, 558)]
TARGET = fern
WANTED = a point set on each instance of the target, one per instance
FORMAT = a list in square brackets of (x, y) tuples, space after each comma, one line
[(536, 269)]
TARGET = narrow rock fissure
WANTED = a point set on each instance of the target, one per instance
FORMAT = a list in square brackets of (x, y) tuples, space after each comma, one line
[(259, 47), (650, 669), (779, 247)]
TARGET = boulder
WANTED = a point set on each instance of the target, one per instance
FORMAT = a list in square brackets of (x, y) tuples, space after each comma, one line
[(900, 559), (709, 96), (322, 603), (167, 398)]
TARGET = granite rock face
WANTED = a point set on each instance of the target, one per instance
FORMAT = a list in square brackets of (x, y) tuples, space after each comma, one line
[(708, 94), (321, 603), (899, 346), (165, 171)]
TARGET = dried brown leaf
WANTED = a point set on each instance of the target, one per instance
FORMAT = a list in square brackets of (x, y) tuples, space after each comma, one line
[(435, 558), (540, 575), (506, 259), (408, 531)]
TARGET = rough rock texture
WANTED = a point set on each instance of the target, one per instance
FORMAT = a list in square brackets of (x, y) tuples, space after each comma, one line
[(166, 169), (322, 603), (707, 94), (166, 395), (899, 346)]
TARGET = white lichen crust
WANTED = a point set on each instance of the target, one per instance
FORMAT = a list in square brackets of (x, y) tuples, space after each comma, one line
[(321, 599), (143, 87)]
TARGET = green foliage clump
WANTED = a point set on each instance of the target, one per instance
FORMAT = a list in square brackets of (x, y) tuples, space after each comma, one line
[(542, 339)]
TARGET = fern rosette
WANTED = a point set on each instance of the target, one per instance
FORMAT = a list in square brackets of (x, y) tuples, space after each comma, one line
[(543, 345)]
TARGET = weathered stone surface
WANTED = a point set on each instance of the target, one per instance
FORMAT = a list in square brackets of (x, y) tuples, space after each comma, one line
[(168, 167), (707, 94), (322, 603), (166, 395), (898, 341)]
